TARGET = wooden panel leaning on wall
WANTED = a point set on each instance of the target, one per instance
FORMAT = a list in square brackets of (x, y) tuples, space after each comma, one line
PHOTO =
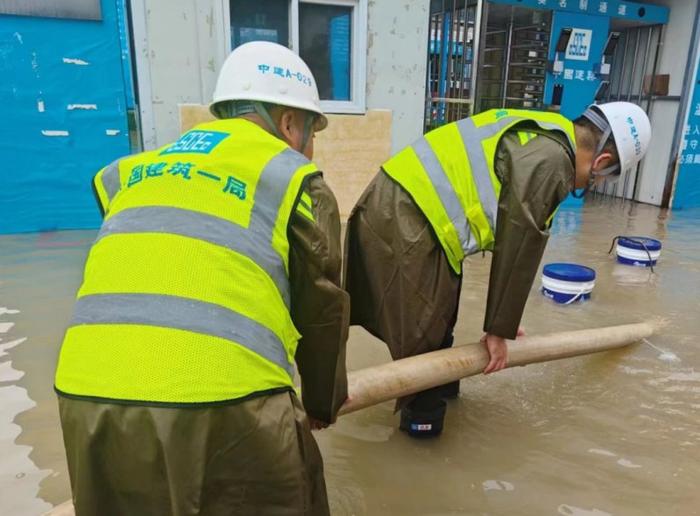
[(350, 151)]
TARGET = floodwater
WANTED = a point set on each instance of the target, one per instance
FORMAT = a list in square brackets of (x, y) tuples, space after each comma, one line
[(615, 433)]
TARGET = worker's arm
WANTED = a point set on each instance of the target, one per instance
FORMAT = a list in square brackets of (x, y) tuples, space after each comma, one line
[(536, 175), (320, 308)]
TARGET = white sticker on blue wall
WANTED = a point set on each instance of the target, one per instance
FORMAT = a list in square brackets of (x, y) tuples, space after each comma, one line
[(579, 46)]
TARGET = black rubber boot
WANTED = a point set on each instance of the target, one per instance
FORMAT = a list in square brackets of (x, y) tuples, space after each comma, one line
[(424, 416)]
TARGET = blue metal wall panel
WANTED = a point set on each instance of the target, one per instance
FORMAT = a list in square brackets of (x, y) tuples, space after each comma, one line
[(64, 117)]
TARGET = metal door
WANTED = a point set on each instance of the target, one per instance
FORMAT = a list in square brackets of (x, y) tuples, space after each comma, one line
[(634, 69), (513, 57), (450, 61)]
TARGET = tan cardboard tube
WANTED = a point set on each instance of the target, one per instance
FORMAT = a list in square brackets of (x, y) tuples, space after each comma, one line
[(392, 380)]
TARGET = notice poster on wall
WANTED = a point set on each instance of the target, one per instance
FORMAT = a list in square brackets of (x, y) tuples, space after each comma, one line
[(687, 193)]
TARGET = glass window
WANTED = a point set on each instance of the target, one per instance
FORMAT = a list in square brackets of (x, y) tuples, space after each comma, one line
[(256, 20), (325, 43), (70, 9), (330, 35)]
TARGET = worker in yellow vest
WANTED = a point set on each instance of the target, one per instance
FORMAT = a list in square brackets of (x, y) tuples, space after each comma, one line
[(216, 268), (491, 182)]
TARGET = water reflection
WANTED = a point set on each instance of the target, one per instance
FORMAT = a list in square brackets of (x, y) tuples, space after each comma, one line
[(39, 274), (19, 476)]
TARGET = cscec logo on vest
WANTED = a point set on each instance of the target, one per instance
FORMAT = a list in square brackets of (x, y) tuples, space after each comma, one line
[(199, 142)]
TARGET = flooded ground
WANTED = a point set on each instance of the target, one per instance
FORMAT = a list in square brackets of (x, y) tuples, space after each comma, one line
[(616, 433)]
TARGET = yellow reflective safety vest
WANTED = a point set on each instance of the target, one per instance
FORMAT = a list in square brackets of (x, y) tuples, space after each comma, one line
[(450, 175), (186, 294)]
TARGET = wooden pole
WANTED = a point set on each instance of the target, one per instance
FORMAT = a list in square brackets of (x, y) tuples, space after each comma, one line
[(393, 380)]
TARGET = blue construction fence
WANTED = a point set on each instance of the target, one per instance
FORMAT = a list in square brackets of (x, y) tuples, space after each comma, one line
[(66, 94)]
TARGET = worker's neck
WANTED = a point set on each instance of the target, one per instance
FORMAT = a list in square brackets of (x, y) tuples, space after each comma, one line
[(584, 158), (257, 120)]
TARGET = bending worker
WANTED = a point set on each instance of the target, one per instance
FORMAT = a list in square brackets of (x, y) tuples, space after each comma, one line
[(489, 182), (218, 254)]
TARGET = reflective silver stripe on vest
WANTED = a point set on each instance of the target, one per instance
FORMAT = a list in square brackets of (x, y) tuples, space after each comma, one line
[(110, 180), (202, 226), (277, 174), (182, 314), (445, 191), (472, 138), (255, 242)]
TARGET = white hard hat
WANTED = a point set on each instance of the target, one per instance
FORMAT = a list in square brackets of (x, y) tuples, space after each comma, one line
[(267, 72), (631, 129)]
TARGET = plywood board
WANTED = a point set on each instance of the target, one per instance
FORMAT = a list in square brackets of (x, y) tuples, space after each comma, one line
[(350, 151), (193, 114)]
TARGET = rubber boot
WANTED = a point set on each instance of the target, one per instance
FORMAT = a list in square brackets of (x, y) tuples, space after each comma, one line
[(424, 416)]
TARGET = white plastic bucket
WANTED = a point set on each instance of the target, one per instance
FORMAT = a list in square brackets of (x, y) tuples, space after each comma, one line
[(567, 283), (638, 251)]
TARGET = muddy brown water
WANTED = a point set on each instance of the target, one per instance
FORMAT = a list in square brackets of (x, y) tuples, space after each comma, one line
[(616, 433)]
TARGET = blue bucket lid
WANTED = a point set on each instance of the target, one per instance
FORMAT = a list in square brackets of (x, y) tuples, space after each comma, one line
[(569, 272), (634, 242)]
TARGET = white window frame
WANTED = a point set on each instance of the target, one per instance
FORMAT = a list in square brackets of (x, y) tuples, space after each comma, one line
[(358, 50)]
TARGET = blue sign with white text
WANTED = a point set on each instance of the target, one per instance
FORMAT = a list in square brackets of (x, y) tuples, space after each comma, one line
[(687, 193), (199, 142), (644, 13), (582, 55)]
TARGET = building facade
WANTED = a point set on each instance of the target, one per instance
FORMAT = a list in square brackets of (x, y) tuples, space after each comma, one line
[(91, 80)]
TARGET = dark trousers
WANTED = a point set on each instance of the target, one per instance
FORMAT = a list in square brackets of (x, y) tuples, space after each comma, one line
[(425, 413)]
